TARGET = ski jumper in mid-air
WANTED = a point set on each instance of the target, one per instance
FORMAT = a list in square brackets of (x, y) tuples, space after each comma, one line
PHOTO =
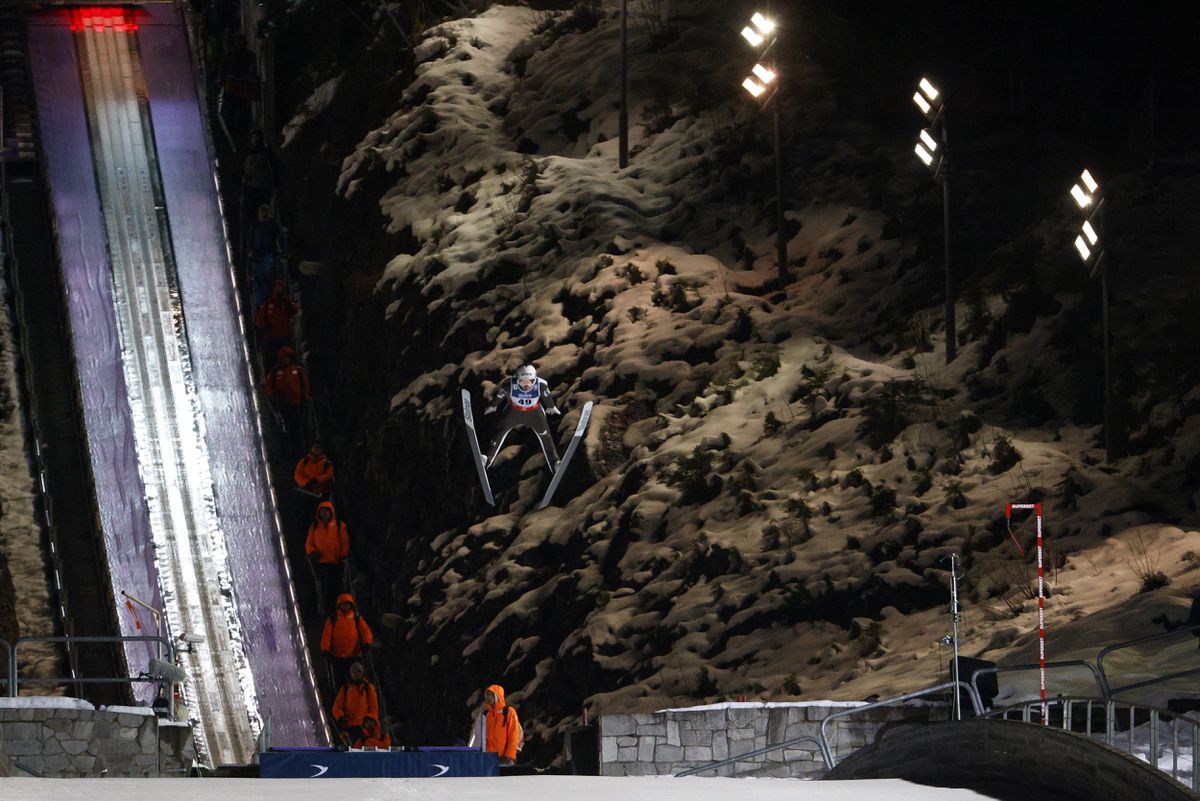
[(525, 401)]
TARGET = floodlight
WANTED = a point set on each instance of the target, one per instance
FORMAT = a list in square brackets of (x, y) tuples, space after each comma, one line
[(923, 154), (922, 103), (757, 32), (763, 24), (1082, 198), (928, 89), (753, 87), (752, 36), (1090, 233), (763, 74), (927, 138), (1089, 182), (1085, 252)]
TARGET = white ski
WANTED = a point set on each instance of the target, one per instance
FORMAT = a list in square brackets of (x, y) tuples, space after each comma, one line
[(580, 428), (469, 417)]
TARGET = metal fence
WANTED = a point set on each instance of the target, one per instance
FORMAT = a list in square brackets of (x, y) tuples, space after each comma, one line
[(1163, 738), (13, 680)]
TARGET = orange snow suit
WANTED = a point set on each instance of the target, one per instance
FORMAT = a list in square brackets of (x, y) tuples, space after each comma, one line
[(274, 318), (372, 737), (354, 701), (330, 541), (503, 730), (319, 471), (345, 633), (287, 382)]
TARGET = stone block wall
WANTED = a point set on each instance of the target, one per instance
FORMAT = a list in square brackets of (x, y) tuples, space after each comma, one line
[(66, 737), (674, 740)]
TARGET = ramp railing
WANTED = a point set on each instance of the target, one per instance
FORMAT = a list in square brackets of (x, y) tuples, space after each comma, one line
[(1165, 739)]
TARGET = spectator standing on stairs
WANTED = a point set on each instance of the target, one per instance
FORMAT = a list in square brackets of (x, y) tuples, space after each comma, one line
[(328, 546), (274, 319), (288, 391), (258, 176), (345, 638), (263, 243), (356, 700), (371, 736)]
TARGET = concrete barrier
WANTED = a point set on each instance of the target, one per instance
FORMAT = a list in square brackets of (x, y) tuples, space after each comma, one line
[(68, 737), (674, 740)]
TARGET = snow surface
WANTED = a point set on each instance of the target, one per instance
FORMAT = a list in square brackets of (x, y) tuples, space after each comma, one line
[(130, 710), (45, 702), (516, 788)]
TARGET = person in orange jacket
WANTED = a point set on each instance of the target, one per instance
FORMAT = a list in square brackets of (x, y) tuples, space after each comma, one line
[(355, 701), (346, 638), (314, 473), (502, 729), (274, 319), (327, 546), (288, 391), (371, 736)]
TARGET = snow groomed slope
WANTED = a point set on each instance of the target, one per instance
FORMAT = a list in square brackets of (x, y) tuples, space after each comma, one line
[(185, 502)]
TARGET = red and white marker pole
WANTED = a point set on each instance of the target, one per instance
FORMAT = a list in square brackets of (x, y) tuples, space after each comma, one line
[(1037, 509)]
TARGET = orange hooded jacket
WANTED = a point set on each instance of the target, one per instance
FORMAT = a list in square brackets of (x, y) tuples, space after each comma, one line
[(287, 382), (345, 633), (274, 317), (373, 738), (330, 541), (354, 701), (503, 730), (318, 470)]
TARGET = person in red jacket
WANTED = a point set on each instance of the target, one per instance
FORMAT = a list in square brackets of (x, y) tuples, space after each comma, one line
[(502, 730), (288, 391), (328, 546), (355, 702), (346, 638), (274, 319), (371, 736)]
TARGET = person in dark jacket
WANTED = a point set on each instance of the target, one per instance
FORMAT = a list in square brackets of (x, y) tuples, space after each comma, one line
[(264, 240), (258, 176), (525, 400), (238, 76)]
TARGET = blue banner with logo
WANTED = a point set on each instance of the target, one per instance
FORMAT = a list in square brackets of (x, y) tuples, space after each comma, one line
[(322, 764)]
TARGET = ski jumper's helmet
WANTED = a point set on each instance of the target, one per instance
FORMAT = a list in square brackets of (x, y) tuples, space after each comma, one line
[(526, 372)]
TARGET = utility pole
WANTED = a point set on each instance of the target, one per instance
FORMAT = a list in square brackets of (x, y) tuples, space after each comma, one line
[(623, 118)]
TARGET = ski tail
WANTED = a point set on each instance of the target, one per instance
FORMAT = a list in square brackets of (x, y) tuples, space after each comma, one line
[(580, 428), (473, 441)]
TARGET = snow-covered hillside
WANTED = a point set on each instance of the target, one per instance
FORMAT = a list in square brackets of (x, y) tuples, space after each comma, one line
[(774, 475)]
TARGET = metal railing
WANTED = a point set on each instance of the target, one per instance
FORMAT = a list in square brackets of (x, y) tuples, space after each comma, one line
[(1116, 723), (14, 681), (6, 650), (1101, 684), (822, 746), (1149, 682), (937, 688)]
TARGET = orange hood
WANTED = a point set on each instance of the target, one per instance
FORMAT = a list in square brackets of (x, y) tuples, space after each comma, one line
[(499, 691)]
